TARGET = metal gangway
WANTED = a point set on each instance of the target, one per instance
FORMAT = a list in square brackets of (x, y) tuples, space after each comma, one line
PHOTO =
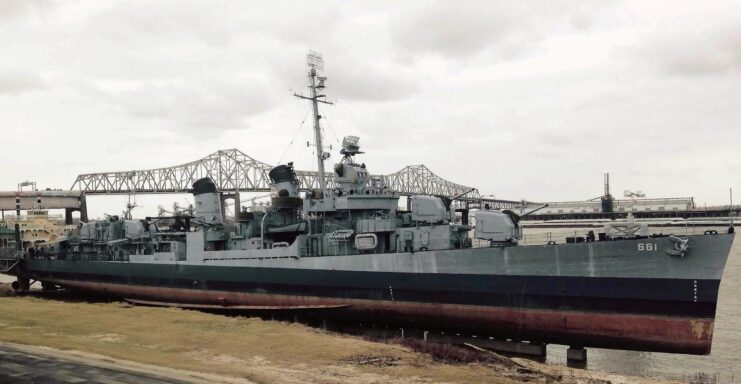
[(9, 259)]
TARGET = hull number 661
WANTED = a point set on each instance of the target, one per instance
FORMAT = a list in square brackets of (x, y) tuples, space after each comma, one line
[(648, 247)]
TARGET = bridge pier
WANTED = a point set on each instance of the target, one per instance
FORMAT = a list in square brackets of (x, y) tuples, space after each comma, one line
[(82, 210)]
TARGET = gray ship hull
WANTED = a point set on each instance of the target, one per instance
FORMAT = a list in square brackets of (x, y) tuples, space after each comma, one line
[(612, 294)]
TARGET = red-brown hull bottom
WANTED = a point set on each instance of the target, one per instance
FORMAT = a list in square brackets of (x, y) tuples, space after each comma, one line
[(578, 328)]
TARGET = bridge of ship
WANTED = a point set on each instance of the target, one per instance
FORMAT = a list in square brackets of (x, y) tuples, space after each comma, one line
[(233, 172)]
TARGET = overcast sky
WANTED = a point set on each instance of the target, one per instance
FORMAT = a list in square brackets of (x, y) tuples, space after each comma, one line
[(527, 100)]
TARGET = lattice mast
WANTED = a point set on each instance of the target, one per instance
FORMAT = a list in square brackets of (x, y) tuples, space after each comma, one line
[(316, 85)]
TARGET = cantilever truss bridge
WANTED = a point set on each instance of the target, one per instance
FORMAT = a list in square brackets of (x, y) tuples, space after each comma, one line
[(233, 171)]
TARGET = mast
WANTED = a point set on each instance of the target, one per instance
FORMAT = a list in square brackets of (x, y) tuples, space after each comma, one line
[(316, 63)]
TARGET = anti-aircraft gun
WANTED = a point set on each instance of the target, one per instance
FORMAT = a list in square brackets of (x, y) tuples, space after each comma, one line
[(115, 238)]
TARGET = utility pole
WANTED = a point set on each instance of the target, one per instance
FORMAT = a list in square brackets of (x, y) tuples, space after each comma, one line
[(316, 63)]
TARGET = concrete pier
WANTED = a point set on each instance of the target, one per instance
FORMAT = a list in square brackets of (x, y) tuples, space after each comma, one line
[(576, 354), (21, 284), (513, 347)]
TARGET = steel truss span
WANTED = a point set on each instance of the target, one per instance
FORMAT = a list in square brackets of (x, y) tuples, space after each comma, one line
[(233, 171)]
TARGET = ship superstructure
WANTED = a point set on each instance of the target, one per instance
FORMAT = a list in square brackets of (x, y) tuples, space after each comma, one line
[(349, 248)]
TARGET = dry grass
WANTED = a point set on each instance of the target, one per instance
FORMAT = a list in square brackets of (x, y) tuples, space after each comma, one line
[(708, 378), (258, 350), (703, 378), (251, 348), (6, 290), (454, 354)]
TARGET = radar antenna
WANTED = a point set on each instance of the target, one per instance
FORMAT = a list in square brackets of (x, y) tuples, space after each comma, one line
[(129, 207), (315, 63)]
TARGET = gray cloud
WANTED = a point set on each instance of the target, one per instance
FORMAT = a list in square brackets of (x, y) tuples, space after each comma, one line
[(13, 82), (363, 82), (581, 21), (10, 9), (350, 79), (189, 106), (165, 21), (506, 30), (303, 23), (454, 29), (689, 52)]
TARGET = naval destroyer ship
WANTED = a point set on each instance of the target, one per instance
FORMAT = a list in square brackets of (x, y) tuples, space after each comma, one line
[(350, 251)]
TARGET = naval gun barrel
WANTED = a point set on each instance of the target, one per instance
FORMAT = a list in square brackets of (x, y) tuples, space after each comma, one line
[(452, 209), (536, 209), (462, 194)]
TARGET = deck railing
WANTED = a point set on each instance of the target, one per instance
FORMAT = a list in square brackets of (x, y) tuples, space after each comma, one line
[(538, 236)]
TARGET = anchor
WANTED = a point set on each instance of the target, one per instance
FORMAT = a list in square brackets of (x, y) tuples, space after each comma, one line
[(680, 248)]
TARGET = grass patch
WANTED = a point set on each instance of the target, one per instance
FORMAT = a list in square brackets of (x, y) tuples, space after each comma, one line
[(251, 348), (6, 290), (448, 353), (259, 350)]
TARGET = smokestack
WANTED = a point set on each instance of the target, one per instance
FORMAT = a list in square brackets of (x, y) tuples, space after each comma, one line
[(208, 205)]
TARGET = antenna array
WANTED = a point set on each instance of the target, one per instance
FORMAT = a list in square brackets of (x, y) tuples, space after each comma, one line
[(315, 61)]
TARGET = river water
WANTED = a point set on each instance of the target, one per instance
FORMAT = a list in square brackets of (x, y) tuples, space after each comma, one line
[(724, 361)]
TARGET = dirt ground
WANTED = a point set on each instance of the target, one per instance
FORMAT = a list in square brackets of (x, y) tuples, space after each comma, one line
[(248, 349)]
